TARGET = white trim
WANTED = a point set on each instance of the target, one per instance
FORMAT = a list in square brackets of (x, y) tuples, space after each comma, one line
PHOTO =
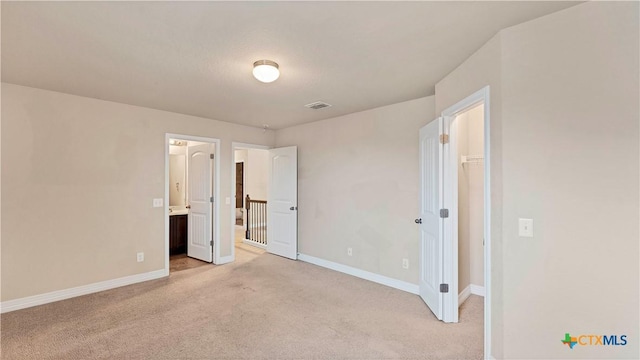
[(217, 259), (449, 200), (224, 259), (468, 291), (362, 274), (482, 96), (255, 244), (237, 146), (41, 299), (477, 290), (464, 295)]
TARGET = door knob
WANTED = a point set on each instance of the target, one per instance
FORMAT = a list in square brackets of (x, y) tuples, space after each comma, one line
[(293, 208), (418, 221)]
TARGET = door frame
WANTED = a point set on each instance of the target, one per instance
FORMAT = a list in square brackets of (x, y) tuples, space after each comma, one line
[(238, 146), (450, 302), (216, 194)]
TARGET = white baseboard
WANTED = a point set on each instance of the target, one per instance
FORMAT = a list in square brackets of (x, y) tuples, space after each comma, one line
[(477, 290), (464, 295), (468, 291), (380, 279), (41, 299), (253, 243)]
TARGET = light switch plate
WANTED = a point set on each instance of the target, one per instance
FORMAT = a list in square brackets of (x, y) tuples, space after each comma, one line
[(227, 201), (525, 227), (157, 202)]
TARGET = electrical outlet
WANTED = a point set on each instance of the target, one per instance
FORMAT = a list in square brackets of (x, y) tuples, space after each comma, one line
[(140, 257), (350, 251), (157, 202), (405, 263)]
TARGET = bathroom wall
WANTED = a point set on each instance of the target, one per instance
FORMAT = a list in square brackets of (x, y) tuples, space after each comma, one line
[(177, 175)]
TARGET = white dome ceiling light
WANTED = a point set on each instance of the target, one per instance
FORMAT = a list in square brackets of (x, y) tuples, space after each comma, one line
[(266, 71)]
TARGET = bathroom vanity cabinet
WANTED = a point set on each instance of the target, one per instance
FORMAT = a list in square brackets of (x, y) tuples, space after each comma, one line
[(178, 234)]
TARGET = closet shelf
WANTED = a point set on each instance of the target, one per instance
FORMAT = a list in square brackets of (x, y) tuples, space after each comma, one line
[(472, 159)]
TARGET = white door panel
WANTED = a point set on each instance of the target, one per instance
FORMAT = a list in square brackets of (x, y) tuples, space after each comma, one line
[(282, 203), (431, 231), (200, 191)]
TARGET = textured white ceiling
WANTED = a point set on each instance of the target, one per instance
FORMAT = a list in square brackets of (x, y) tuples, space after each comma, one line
[(196, 57)]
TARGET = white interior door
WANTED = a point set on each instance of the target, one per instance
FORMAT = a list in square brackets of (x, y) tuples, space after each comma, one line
[(200, 192), (431, 226), (282, 202)]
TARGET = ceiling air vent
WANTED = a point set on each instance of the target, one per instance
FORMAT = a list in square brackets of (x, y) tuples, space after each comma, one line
[(318, 105)]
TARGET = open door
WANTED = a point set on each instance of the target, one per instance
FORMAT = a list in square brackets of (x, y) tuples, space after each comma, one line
[(431, 226), (282, 202), (200, 196)]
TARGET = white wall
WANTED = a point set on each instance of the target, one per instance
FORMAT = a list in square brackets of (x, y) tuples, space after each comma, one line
[(177, 175), (565, 152), (464, 262), (240, 155), (77, 197), (255, 162), (571, 163), (256, 174), (474, 174), (358, 187)]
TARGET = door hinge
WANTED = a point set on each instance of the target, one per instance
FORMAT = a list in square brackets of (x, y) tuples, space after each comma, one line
[(211, 199), (444, 213), (211, 156), (444, 138), (444, 288), (211, 242)]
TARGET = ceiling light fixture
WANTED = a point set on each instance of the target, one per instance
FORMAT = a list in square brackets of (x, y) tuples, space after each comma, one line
[(266, 71)]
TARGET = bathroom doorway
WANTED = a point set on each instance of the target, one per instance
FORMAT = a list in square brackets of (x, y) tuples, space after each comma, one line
[(191, 190)]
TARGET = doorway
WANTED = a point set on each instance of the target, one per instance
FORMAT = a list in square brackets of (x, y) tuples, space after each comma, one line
[(269, 207), (191, 189), (251, 197), (239, 191), (468, 126), (443, 162)]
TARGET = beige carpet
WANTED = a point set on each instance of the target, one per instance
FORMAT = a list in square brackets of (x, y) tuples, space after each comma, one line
[(260, 307)]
